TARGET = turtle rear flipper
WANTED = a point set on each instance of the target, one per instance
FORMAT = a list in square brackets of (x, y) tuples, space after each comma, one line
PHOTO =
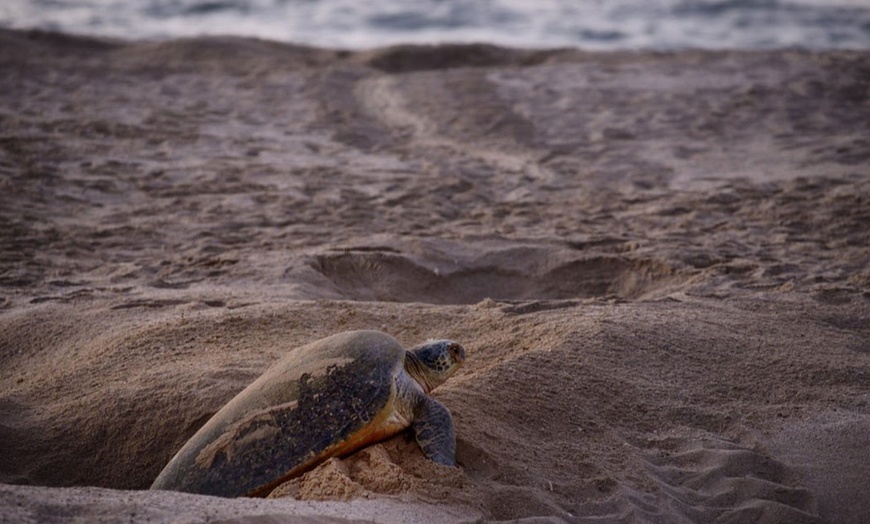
[(433, 428)]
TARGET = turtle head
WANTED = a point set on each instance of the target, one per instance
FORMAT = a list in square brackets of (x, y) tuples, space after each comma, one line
[(432, 362)]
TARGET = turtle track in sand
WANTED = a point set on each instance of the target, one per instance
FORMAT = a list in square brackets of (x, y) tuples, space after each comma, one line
[(715, 480), (534, 273)]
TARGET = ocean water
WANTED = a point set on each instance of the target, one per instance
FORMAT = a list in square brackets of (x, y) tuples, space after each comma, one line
[(590, 24)]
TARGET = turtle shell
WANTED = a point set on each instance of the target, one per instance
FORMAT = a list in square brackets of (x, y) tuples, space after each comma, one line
[(321, 400)]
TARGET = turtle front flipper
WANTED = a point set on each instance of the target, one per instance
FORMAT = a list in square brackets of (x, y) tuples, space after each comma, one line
[(433, 428)]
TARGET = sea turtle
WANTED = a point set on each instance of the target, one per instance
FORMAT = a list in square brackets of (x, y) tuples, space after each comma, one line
[(322, 400)]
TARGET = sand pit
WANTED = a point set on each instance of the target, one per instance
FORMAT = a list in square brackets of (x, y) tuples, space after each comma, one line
[(658, 264)]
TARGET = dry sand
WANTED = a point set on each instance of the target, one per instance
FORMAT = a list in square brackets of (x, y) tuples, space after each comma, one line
[(660, 264)]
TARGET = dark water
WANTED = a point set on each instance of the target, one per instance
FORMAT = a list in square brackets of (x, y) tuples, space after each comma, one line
[(593, 24)]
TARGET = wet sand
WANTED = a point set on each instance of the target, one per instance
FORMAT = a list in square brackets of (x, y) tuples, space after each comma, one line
[(659, 263)]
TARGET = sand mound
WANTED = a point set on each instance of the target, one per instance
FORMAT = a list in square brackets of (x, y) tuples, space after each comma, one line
[(392, 468), (658, 264), (583, 409)]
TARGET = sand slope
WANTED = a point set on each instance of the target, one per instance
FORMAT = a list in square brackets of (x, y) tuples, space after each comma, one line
[(658, 263)]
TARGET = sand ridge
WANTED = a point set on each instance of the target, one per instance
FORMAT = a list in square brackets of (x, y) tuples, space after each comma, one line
[(657, 261)]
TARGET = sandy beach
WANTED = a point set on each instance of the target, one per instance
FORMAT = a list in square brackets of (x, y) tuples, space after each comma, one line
[(658, 262)]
